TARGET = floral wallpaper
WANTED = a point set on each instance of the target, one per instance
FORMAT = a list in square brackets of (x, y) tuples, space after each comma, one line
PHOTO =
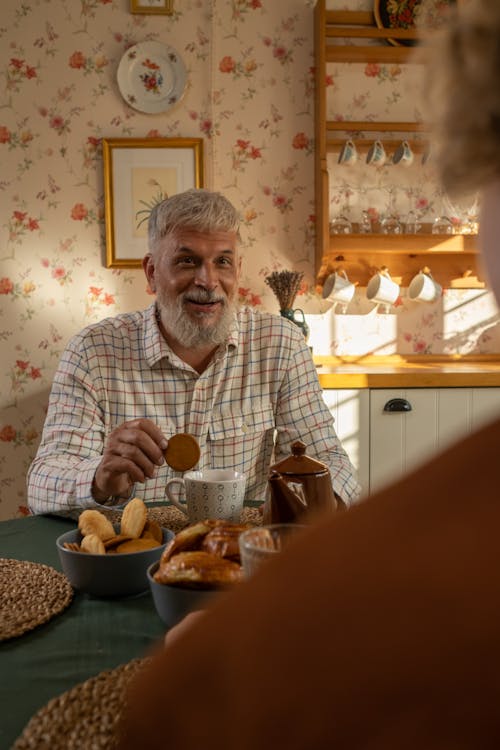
[(249, 95)]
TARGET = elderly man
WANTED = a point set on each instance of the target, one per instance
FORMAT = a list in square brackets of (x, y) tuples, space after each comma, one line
[(241, 382)]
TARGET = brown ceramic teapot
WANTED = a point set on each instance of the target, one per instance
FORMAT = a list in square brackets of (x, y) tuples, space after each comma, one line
[(298, 485)]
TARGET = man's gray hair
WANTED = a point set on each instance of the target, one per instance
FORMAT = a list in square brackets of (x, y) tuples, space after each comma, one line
[(196, 209)]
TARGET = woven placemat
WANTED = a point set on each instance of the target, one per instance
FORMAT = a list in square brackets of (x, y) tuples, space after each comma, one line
[(172, 518), (30, 594), (83, 718)]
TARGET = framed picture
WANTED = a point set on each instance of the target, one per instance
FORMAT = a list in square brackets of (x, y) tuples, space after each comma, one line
[(152, 7), (138, 173)]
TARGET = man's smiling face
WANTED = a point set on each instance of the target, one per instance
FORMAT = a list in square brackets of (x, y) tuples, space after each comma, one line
[(195, 275)]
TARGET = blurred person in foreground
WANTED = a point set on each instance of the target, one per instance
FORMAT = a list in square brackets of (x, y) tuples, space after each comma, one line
[(378, 628), (242, 382)]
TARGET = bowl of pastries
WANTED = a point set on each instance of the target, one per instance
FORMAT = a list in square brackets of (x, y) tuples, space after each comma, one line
[(200, 562), (111, 560)]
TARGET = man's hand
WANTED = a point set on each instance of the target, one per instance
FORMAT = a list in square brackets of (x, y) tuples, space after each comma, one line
[(131, 454)]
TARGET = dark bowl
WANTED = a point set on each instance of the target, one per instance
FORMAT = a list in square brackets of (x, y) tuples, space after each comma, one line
[(112, 575), (175, 602)]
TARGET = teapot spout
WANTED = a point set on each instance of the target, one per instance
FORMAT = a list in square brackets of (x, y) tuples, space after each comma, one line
[(286, 502)]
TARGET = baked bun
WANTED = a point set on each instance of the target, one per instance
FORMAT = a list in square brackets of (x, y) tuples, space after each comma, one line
[(198, 569), (223, 540), (188, 539)]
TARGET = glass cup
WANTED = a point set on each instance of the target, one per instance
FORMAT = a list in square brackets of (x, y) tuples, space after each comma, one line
[(442, 225), (391, 225), (340, 225), (263, 543)]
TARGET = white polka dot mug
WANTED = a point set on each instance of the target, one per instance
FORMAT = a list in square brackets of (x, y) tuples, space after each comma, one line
[(209, 493)]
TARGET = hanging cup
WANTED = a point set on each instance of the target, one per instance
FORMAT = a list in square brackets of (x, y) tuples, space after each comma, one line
[(348, 154), (376, 155), (403, 155), (382, 289), (423, 288), (338, 288)]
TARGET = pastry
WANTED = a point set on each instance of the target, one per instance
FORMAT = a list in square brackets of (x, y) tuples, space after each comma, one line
[(91, 543), (223, 540), (187, 539), (134, 518), (94, 522), (198, 569), (112, 544), (137, 545), (152, 530)]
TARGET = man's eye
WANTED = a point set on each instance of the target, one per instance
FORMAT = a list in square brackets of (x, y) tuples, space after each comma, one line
[(185, 261), (224, 261)]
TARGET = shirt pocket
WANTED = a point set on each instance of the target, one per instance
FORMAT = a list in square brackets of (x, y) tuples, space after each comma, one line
[(237, 424), (238, 437)]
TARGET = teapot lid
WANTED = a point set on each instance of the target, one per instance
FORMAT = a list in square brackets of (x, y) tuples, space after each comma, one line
[(299, 463)]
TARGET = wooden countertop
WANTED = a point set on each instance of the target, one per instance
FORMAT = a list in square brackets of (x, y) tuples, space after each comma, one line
[(412, 371)]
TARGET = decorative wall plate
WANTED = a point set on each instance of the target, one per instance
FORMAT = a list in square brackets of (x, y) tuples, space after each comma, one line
[(151, 77), (408, 14)]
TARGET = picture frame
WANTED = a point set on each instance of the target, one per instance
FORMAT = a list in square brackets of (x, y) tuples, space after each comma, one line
[(152, 7), (138, 172)]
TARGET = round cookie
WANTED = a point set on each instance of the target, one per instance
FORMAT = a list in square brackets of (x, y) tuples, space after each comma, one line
[(183, 452)]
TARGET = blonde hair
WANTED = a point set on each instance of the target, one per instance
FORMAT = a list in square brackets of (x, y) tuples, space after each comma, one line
[(462, 96), (195, 209)]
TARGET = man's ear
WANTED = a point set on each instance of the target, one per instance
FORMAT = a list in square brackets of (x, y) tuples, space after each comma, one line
[(148, 266)]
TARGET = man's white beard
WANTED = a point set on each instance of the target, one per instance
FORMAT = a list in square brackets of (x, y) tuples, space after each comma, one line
[(186, 329)]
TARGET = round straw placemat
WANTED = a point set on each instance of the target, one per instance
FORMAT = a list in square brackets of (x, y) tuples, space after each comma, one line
[(30, 594), (83, 718)]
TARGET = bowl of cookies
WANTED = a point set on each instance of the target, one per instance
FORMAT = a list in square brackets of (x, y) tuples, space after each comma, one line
[(200, 562), (111, 560)]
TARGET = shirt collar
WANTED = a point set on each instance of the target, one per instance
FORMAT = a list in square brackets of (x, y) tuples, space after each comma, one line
[(155, 346)]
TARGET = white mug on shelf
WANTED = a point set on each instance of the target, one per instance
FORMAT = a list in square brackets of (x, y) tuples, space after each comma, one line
[(423, 288), (382, 289), (403, 155), (348, 154), (376, 154), (338, 288)]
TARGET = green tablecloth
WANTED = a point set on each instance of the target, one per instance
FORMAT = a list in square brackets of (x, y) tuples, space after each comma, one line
[(91, 635)]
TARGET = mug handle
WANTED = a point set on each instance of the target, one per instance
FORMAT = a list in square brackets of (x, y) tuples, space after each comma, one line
[(298, 310), (178, 503)]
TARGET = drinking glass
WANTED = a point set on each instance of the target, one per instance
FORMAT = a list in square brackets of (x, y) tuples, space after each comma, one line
[(412, 225), (442, 225), (365, 225), (340, 225), (391, 224), (263, 543)]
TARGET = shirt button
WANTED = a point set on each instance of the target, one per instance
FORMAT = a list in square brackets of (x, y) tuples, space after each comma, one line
[(244, 428)]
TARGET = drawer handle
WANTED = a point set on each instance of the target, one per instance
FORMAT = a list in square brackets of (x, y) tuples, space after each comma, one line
[(397, 404)]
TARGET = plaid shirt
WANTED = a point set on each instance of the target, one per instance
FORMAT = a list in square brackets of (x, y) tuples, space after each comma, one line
[(258, 395)]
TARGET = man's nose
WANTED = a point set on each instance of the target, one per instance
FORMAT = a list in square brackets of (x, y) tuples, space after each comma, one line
[(206, 276)]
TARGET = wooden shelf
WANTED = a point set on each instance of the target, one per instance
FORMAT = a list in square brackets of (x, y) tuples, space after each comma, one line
[(452, 259), (423, 243), (364, 54)]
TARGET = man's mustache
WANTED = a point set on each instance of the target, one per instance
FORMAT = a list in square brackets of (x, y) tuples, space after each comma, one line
[(203, 296)]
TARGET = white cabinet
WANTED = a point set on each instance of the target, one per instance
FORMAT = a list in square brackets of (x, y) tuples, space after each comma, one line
[(351, 412), (384, 445)]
